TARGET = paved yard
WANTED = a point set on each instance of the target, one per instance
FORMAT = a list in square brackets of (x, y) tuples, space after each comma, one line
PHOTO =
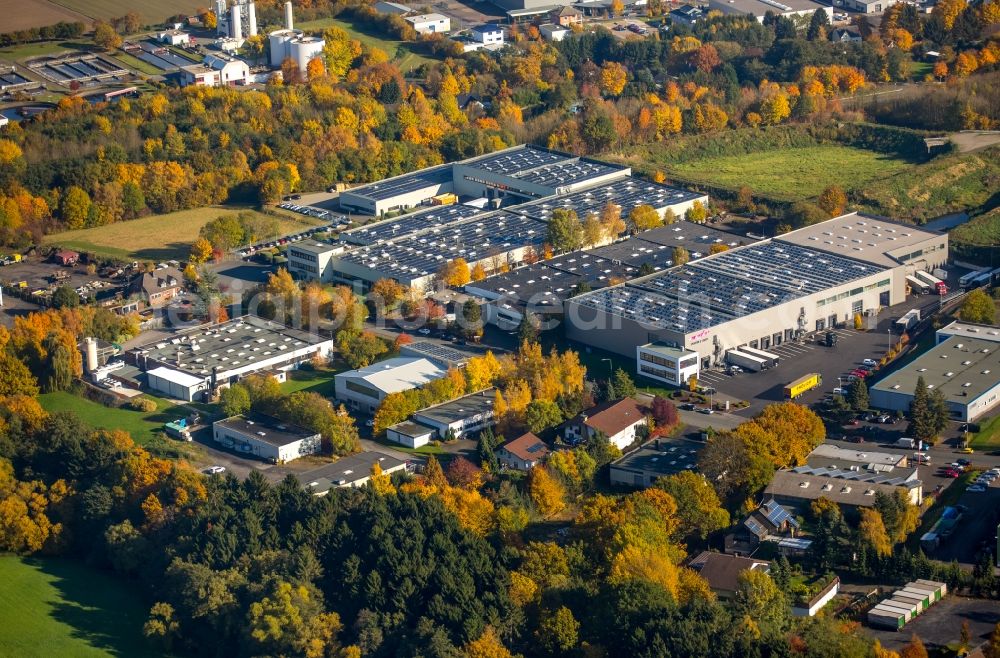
[(941, 624)]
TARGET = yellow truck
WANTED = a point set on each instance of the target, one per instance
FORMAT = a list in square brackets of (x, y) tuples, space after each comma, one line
[(803, 384)]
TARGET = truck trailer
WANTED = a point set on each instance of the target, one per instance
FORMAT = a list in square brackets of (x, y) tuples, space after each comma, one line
[(803, 384)]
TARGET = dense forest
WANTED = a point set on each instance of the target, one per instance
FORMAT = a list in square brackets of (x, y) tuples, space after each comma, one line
[(354, 117)]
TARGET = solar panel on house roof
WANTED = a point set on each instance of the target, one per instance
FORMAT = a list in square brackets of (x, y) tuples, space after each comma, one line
[(778, 515), (754, 526)]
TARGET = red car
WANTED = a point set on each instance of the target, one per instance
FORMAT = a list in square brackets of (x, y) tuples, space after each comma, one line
[(861, 374), (950, 473)]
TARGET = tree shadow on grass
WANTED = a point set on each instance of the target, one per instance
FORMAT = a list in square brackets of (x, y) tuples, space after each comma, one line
[(106, 614), (170, 251)]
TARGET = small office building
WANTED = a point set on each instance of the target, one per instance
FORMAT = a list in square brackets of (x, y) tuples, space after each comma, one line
[(429, 23), (410, 434), (461, 417), (310, 261), (668, 364), (265, 437)]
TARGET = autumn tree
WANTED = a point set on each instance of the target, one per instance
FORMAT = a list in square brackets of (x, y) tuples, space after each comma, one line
[(558, 630), (871, 531), (833, 200), (775, 109), (978, 307), (611, 219), (201, 251), (613, 78), (644, 218), (857, 395), (759, 602), (386, 293), (698, 507), (664, 413), (680, 256), (565, 232), (706, 58), (696, 213), (234, 400), (106, 37), (487, 645), (914, 649), (545, 492), (455, 273)]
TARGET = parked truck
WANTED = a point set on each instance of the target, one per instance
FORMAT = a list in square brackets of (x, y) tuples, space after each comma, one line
[(937, 284), (178, 429), (746, 361), (909, 320), (803, 384)]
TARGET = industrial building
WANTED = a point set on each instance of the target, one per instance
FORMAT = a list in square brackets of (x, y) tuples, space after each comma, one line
[(458, 418), (351, 471), (365, 388), (798, 487), (965, 370), (759, 8), (666, 363), (192, 362), (429, 23), (238, 21), (265, 437), (442, 355), (829, 455), (216, 71), (968, 330), (312, 261), (760, 294)]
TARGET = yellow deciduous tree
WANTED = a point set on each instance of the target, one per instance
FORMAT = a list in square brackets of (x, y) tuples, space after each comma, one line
[(872, 530), (614, 76), (201, 251), (487, 645), (546, 493)]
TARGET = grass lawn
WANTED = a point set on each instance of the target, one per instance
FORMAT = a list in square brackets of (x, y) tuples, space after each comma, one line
[(401, 52), (157, 237), (793, 173), (30, 50), (152, 11), (988, 436), (139, 424), (315, 381), (57, 607)]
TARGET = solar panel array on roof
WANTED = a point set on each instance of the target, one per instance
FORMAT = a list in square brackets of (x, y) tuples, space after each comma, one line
[(568, 172), (438, 352), (754, 526), (514, 161), (731, 284), (416, 222), (777, 515), (626, 193), (423, 253), (636, 253), (418, 180), (856, 476)]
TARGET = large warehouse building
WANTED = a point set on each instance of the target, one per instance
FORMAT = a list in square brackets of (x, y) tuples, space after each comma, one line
[(191, 362), (761, 294), (508, 198)]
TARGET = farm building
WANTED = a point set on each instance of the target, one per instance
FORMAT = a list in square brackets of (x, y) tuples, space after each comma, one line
[(268, 438)]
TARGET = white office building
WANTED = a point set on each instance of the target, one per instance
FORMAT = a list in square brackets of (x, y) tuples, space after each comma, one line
[(365, 388), (667, 364), (430, 23)]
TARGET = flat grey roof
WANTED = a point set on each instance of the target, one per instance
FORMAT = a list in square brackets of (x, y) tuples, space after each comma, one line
[(266, 429), (636, 252), (597, 270), (459, 408), (346, 470), (668, 350), (412, 429), (971, 330), (696, 238), (567, 172), (411, 182), (672, 456), (760, 7), (234, 344), (963, 369), (864, 237), (316, 248)]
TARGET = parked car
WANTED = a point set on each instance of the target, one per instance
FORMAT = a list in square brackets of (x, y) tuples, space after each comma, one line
[(965, 462), (976, 488), (858, 372), (839, 391), (215, 470), (687, 406), (424, 331), (869, 362), (706, 410), (886, 419), (949, 473)]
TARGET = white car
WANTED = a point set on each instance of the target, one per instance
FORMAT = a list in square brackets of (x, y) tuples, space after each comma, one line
[(424, 332), (976, 488), (840, 391), (215, 470), (869, 362)]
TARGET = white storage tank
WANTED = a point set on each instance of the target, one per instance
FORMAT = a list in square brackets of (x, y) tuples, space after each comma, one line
[(304, 49)]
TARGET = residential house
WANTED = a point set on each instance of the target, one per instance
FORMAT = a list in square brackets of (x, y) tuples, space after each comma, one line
[(845, 35), (523, 453), (686, 15), (488, 37), (619, 420), (158, 287), (722, 571), (567, 16), (769, 523)]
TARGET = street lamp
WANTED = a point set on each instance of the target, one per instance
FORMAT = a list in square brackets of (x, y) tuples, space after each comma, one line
[(610, 367)]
